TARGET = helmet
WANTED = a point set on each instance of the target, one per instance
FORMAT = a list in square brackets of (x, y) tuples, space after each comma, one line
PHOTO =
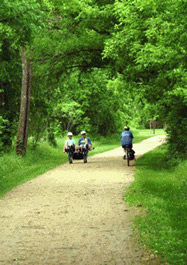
[(126, 128), (83, 132), (70, 134)]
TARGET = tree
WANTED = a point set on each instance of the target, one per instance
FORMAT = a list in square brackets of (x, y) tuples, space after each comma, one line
[(70, 55), (22, 135), (19, 20), (124, 58), (148, 48)]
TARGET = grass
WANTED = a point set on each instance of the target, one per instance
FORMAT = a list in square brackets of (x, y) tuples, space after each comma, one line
[(16, 170), (161, 190), (140, 135)]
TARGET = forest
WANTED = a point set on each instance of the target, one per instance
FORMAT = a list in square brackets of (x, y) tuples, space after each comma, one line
[(66, 64), (96, 65)]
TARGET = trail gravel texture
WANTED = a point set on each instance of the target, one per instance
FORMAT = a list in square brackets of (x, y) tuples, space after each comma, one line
[(74, 214)]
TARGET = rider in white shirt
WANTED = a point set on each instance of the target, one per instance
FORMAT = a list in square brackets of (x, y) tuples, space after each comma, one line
[(69, 142)]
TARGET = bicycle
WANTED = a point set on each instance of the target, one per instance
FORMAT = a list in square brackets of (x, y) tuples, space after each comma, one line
[(77, 154), (129, 155)]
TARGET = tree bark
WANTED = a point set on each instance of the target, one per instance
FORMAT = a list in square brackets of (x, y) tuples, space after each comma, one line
[(154, 126), (22, 134)]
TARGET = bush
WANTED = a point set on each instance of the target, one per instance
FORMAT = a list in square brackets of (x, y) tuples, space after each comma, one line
[(5, 135), (177, 124)]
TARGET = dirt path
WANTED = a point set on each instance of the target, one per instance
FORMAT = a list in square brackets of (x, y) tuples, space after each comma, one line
[(74, 214)]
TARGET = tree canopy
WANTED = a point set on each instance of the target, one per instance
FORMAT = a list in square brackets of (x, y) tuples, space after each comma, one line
[(97, 65)]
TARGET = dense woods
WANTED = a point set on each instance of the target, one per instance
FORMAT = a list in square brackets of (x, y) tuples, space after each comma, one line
[(91, 64)]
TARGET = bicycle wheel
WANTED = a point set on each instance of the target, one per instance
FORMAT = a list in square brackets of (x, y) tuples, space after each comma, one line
[(128, 157), (85, 153), (70, 156)]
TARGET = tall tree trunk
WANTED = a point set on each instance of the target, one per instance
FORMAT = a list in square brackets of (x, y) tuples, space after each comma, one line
[(22, 134), (154, 126)]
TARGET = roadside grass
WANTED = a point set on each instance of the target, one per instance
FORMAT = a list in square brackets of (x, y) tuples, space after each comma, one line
[(140, 135), (15, 170), (161, 190)]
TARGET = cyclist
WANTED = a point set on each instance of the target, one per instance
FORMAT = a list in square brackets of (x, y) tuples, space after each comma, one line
[(84, 142), (126, 139), (69, 142)]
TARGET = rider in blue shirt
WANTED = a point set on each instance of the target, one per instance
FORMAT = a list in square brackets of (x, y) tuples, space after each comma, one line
[(84, 142), (126, 139)]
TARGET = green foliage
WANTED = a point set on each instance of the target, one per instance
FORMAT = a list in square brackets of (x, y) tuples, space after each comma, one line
[(177, 124), (69, 62), (147, 47), (5, 142), (19, 22), (51, 138), (2, 121), (161, 189), (97, 65)]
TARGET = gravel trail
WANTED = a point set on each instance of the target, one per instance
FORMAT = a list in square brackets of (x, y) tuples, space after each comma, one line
[(74, 214)]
